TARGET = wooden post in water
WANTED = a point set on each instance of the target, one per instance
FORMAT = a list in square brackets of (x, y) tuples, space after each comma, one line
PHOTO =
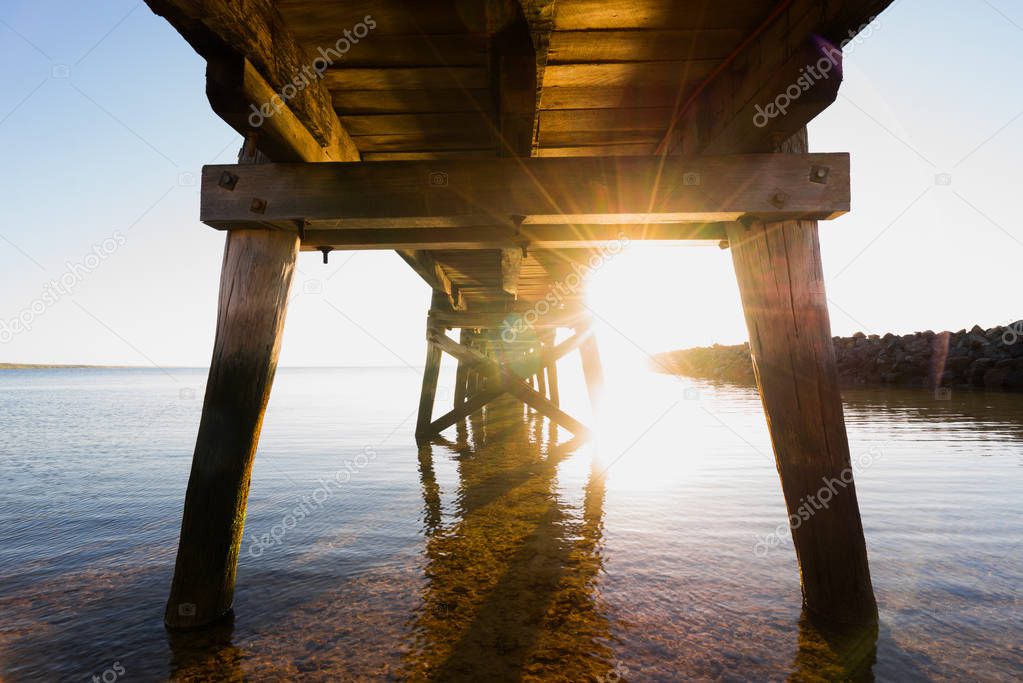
[(552, 369), (781, 283), (254, 286), (431, 372), (593, 371), (462, 373)]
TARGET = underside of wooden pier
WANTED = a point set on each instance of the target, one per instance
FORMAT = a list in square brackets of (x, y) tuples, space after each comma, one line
[(499, 147)]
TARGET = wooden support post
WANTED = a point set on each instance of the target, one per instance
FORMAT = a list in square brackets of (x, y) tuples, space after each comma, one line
[(541, 382), (781, 283), (430, 375), (462, 373), (431, 371), (552, 369), (593, 371), (254, 285)]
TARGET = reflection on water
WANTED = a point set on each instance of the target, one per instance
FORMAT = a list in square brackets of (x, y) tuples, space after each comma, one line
[(511, 584), (503, 551)]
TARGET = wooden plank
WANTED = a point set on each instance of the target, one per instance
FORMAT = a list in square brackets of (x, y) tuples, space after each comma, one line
[(418, 78), (624, 74), (560, 139), (622, 119), (421, 142), (570, 47), (603, 97), (624, 149), (432, 273), (536, 237), (255, 30), (725, 119), (781, 283), (319, 21), (383, 50), (511, 269), (237, 93), (354, 102), (572, 15), (486, 153), (539, 17), (545, 191), (472, 124), (254, 286)]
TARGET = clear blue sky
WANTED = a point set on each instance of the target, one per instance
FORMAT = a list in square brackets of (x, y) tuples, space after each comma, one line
[(104, 126)]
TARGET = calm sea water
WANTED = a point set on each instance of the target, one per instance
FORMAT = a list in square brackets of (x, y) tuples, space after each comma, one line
[(506, 552)]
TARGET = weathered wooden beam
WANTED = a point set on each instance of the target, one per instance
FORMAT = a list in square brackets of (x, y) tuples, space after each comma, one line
[(507, 320), (236, 91), (726, 115), (465, 338), (254, 285), (255, 30), (511, 269), (421, 240), (464, 410), (426, 266), (543, 190), (539, 16), (548, 338), (431, 372), (534, 400), (781, 283)]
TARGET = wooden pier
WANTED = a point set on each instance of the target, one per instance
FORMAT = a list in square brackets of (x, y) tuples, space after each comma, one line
[(497, 146)]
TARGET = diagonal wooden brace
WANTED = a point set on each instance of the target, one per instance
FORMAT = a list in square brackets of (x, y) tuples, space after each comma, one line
[(506, 381)]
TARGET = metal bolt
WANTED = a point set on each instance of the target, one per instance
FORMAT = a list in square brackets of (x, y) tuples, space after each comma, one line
[(779, 199), (326, 253), (228, 180), (819, 174), (258, 205)]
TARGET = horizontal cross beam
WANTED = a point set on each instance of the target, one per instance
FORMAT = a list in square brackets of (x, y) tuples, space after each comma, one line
[(515, 193), (533, 236), (516, 321)]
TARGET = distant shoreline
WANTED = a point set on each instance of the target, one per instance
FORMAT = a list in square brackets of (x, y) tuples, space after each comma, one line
[(35, 366), (62, 366)]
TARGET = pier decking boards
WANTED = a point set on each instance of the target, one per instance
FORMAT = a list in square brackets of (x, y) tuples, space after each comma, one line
[(498, 146)]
